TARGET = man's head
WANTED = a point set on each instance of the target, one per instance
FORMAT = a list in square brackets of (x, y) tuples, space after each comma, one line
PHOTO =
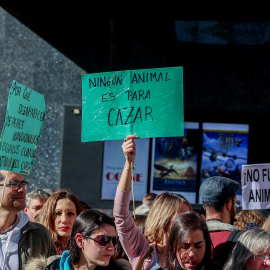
[(14, 195), (35, 201), (217, 192)]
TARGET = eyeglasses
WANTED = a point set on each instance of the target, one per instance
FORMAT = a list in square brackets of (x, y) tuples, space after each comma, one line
[(16, 185), (262, 257), (103, 240)]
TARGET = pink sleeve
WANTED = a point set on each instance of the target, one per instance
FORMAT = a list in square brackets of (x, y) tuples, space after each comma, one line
[(133, 241)]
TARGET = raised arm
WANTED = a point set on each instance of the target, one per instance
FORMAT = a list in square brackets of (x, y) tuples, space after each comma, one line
[(133, 241), (129, 150)]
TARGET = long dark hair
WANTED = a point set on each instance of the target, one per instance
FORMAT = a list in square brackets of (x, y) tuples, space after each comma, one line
[(183, 226), (86, 223)]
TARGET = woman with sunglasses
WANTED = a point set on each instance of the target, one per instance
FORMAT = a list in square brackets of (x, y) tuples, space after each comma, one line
[(251, 252), (144, 250), (90, 246)]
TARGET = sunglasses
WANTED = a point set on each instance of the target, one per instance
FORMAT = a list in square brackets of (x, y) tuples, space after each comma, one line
[(103, 240), (16, 185)]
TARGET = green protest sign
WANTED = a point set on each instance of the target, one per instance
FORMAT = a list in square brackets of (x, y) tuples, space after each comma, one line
[(145, 102), (22, 129)]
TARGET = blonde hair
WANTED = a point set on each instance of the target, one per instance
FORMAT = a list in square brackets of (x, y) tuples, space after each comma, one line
[(46, 216), (245, 216), (163, 209)]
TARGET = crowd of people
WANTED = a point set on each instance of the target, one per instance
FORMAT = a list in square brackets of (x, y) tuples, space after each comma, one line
[(46, 229)]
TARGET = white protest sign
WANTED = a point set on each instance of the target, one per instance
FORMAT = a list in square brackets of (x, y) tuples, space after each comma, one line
[(113, 163), (255, 180)]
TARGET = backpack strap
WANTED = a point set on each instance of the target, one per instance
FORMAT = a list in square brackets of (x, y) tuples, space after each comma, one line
[(227, 247), (234, 235), (148, 253)]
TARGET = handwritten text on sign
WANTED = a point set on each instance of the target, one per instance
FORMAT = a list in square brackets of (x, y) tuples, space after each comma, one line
[(22, 129), (255, 180), (146, 102)]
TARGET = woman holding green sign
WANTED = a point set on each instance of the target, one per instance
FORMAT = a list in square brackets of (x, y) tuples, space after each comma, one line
[(144, 251)]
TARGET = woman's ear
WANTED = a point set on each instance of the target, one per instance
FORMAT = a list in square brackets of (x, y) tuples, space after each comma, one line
[(79, 240)]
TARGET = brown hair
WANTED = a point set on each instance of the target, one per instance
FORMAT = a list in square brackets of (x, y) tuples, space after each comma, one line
[(46, 216), (182, 227), (139, 222)]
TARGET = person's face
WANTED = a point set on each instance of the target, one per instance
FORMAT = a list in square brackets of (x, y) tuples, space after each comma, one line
[(94, 254), (192, 253), (13, 200), (65, 214), (183, 207), (258, 262), (34, 208)]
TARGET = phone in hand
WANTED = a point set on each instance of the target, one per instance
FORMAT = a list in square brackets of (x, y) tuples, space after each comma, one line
[(250, 225)]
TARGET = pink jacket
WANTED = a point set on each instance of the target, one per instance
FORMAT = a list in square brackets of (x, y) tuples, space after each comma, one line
[(133, 241)]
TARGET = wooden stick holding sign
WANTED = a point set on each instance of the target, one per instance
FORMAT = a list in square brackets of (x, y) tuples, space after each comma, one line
[(126, 182), (145, 102), (133, 198)]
